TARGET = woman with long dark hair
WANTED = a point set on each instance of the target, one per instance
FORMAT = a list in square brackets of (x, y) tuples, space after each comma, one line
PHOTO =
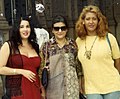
[(20, 61)]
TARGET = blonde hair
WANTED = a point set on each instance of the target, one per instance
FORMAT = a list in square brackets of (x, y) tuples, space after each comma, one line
[(102, 27)]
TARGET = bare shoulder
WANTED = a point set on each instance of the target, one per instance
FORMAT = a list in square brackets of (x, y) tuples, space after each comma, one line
[(4, 54), (5, 48)]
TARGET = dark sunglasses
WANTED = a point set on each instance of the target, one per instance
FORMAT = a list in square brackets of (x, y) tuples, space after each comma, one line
[(63, 28)]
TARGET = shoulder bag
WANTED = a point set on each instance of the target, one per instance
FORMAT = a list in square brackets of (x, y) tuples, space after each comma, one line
[(44, 78)]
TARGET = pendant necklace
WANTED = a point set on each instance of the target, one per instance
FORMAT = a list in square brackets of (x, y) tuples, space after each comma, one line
[(88, 52)]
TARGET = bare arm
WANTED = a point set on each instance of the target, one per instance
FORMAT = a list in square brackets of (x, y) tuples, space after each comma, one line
[(4, 55), (117, 64), (81, 84)]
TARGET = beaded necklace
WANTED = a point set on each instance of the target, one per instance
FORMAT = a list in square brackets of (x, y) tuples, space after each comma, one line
[(88, 52)]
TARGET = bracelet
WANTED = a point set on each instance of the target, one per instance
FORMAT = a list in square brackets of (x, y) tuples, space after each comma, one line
[(14, 71)]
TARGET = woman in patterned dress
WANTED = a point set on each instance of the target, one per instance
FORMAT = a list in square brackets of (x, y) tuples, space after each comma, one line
[(61, 54)]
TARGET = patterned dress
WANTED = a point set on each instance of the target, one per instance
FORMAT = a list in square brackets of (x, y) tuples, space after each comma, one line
[(63, 80)]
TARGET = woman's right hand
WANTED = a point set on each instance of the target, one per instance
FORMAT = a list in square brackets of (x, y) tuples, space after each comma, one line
[(28, 74)]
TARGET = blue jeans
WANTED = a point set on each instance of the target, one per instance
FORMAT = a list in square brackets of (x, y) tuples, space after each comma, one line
[(112, 95)]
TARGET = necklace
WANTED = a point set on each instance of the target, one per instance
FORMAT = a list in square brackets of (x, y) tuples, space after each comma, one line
[(62, 44), (88, 52)]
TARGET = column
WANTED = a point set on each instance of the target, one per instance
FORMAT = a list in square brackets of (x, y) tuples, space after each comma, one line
[(1, 18), (4, 28), (117, 18), (70, 12), (91, 2)]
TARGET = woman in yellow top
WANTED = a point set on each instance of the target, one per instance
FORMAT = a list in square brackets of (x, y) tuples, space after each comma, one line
[(98, 56)]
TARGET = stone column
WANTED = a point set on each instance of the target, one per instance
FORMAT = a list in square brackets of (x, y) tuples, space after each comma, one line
[(4, 27), (71, 14), (109, 15), (90, 2), (76, 15), (117, 18)]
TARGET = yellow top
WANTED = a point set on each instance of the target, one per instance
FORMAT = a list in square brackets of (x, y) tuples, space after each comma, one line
[(100, 74)]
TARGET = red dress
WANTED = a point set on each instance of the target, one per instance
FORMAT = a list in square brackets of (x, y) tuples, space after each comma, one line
[(30, 90)]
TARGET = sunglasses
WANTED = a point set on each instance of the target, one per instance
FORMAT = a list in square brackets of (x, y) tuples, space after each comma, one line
[(63, 28)]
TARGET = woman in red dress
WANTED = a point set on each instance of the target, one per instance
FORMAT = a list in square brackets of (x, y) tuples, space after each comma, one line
[(20, 61)]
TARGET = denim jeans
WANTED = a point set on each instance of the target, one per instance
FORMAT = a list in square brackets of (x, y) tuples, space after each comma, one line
[(112, 95)]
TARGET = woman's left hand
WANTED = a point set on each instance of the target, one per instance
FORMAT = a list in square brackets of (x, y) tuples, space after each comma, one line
[(43, 93)]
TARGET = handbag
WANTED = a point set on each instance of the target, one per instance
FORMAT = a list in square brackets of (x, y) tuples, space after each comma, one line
[(82, 96), (44, 78)]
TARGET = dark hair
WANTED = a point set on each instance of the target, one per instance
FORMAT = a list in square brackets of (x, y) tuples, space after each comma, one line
[(16, 38), (59, 18)]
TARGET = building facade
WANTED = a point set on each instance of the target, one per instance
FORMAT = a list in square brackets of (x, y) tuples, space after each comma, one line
[(13, 9), (10, 10)]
